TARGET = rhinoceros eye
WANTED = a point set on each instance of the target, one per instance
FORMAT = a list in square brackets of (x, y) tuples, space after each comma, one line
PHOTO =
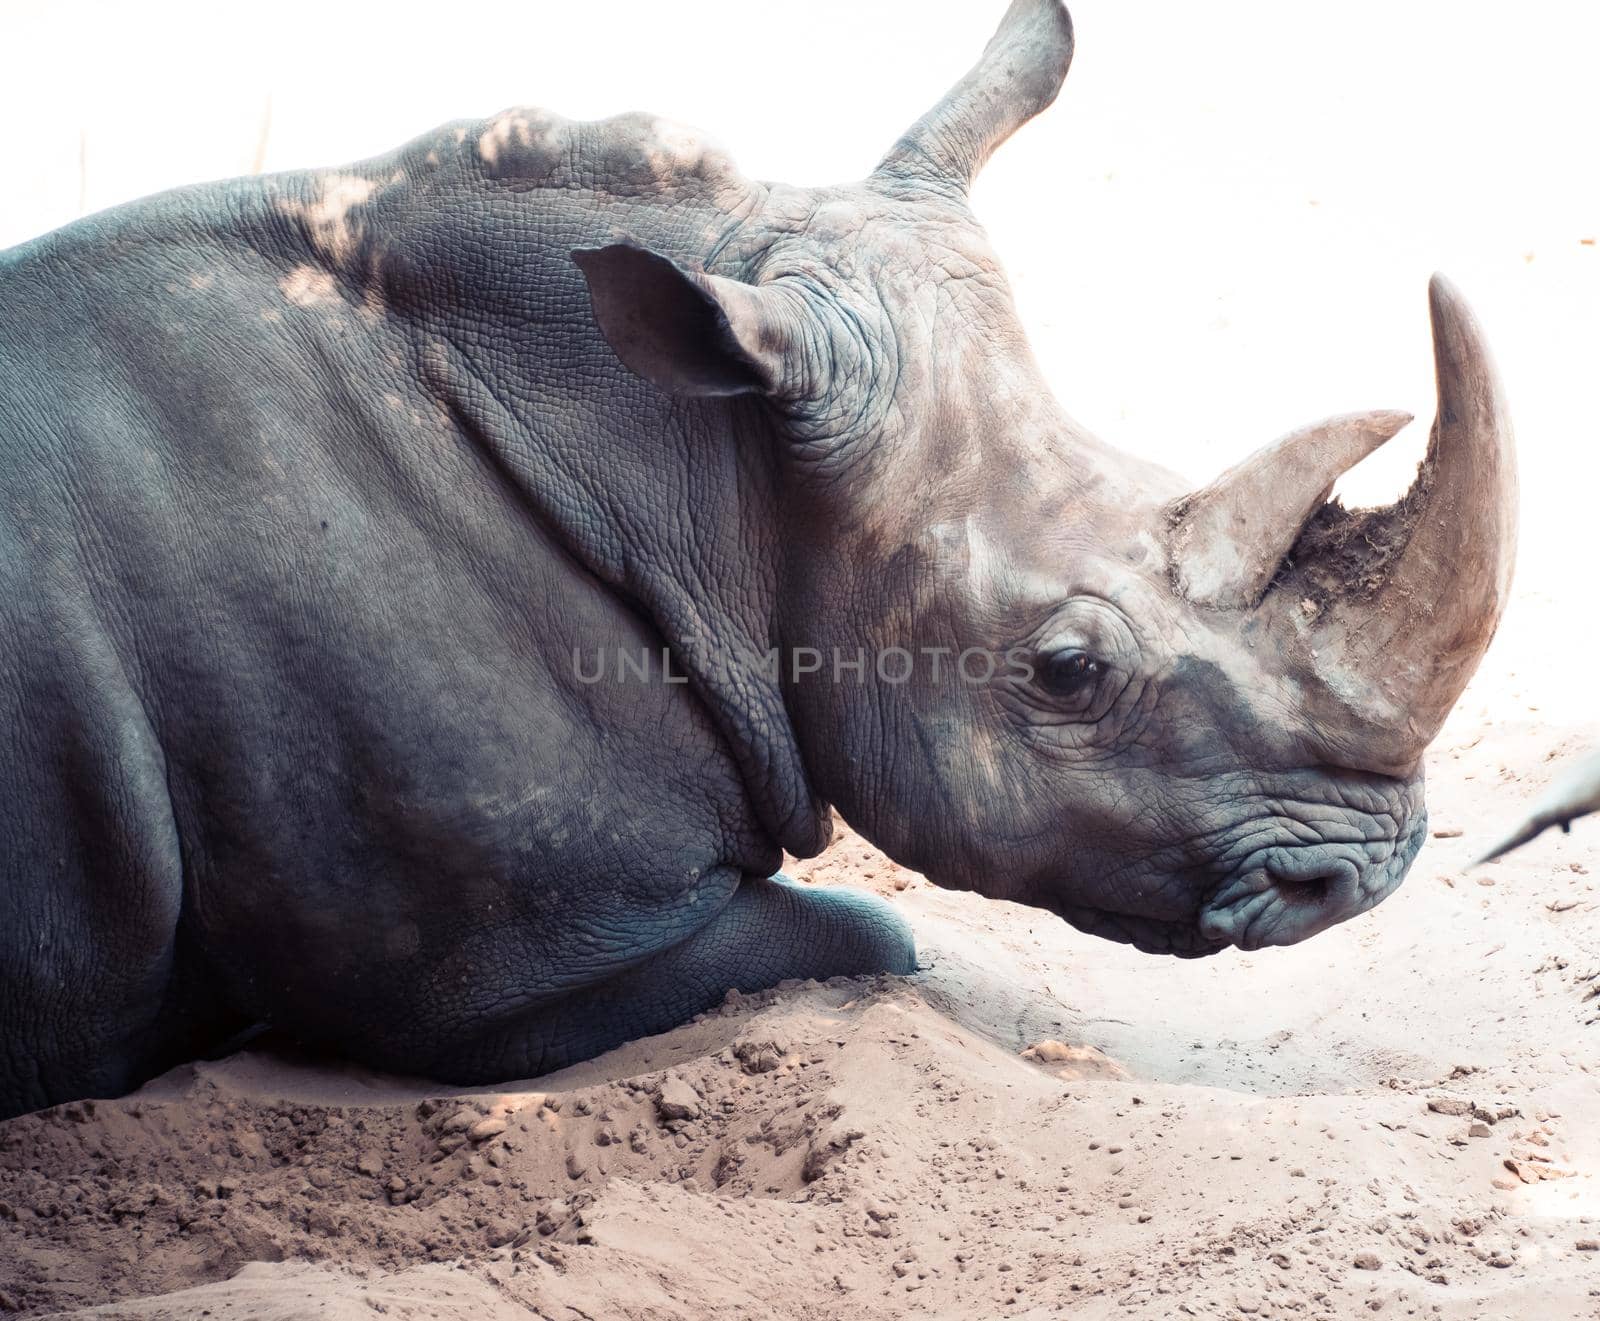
[(1069, 675)]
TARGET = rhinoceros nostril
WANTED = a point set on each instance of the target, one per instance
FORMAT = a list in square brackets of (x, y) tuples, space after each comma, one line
[(1289, 895), (1303, 892), (1307, 883)]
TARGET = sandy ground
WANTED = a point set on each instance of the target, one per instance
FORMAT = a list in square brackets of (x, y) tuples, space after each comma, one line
[(1400, 1117)]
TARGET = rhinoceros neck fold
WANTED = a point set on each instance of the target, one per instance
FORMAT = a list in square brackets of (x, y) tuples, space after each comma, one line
[(667, 503), (619, 500)]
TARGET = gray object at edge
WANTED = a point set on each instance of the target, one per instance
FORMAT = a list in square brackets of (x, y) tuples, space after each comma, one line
[(1574, 795)]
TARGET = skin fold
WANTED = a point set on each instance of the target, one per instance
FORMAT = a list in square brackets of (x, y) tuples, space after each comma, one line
[(317, 487)]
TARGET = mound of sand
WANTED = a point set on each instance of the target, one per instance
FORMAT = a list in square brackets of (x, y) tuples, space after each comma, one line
[(1401, 1116)]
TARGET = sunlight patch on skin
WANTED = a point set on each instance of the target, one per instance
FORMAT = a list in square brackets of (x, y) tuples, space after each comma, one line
[(398, 406), (308, 286), (674, 150), (521, 142), (627, 154), (335, 232)]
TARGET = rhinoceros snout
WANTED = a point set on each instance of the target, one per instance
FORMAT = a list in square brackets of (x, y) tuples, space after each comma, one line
[(1288, 894)]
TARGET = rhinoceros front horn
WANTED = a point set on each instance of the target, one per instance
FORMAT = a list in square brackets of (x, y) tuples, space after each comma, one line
[(1379, 615), (1018, 75)]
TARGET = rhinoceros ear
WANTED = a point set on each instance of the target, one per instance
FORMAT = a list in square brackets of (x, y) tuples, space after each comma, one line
[(687, 332)]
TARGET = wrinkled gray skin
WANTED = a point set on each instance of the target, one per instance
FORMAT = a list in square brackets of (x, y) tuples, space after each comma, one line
[(312, 485)]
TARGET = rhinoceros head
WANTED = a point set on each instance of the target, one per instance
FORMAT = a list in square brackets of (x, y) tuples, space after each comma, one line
[(1027, 664)]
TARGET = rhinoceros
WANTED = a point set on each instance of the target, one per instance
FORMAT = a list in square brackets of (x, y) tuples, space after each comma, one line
[(434, 593)]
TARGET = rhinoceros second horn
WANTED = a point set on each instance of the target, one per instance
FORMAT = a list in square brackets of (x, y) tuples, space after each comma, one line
[(1230, 539)]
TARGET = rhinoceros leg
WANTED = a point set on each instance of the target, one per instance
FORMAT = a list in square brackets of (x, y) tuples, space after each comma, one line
[(770, 931)]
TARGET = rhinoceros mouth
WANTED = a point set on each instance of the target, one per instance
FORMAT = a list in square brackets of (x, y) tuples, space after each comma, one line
[(1283, 894), (1278, 895)]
